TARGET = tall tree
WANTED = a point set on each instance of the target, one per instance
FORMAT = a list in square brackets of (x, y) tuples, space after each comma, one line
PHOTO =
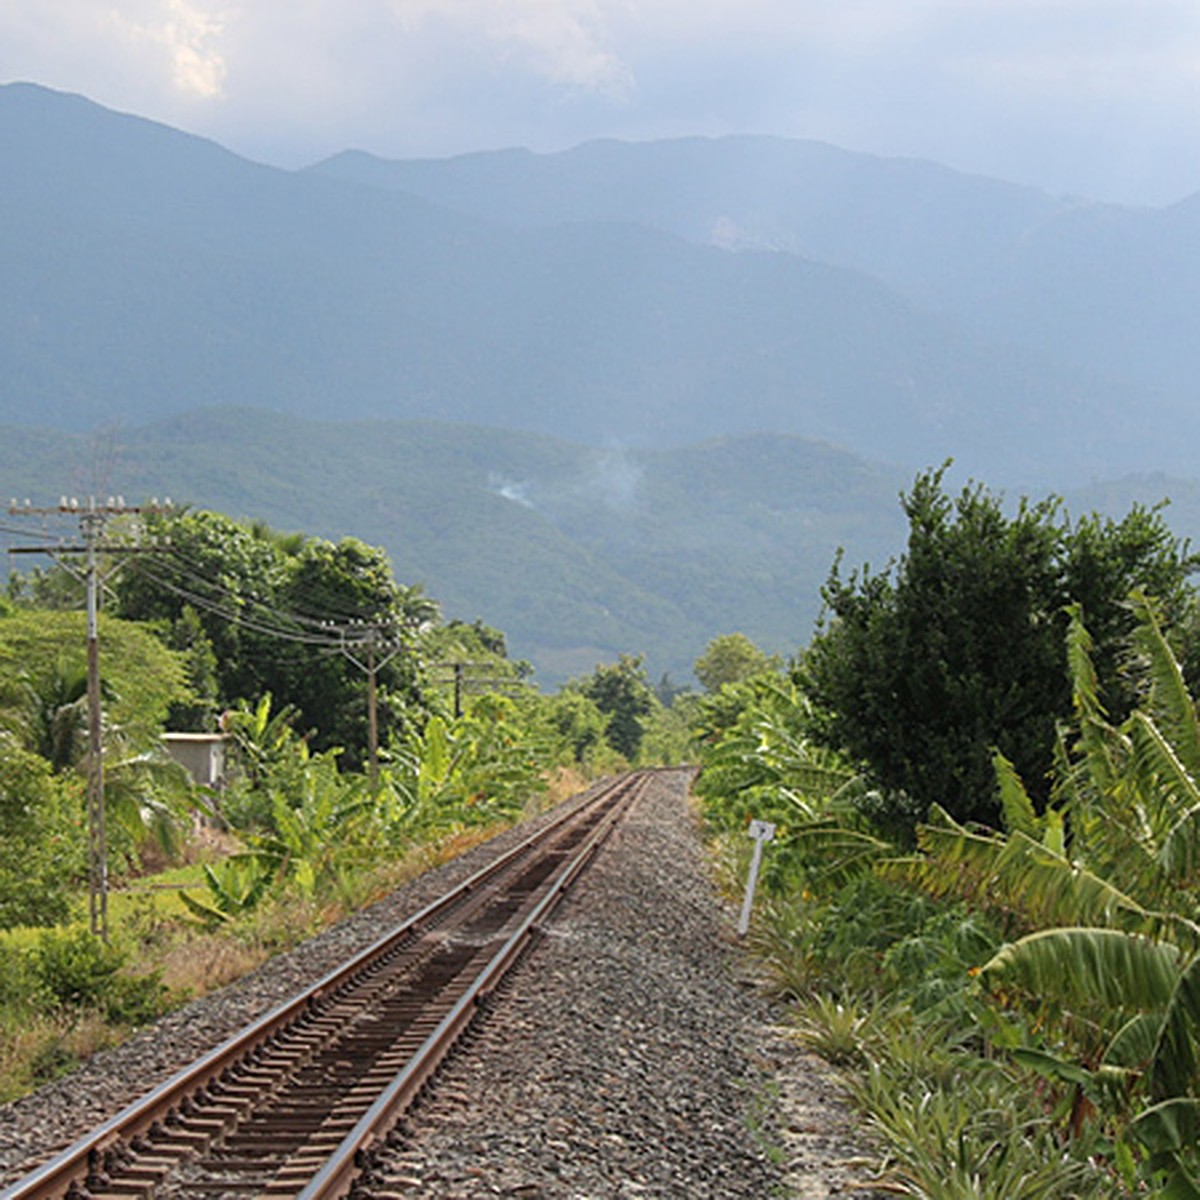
[(350, 585), (620, 691), (301, 619), (229, 577), (959, 648), (730, 658)]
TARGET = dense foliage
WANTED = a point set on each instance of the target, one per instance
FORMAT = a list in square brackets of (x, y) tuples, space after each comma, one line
[(921, 670), (1017, 1005), (623, 695), (40, 846), (301, 619), (729, 658)]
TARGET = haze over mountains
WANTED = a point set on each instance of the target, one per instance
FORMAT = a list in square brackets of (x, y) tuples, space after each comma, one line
[(635, 299), (908, 312)]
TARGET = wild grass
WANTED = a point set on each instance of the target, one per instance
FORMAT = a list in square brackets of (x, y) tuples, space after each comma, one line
[(156, 938), (36, 1048), (948, 1119)]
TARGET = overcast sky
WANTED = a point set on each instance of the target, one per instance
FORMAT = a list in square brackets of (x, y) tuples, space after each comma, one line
[(1099, 98)]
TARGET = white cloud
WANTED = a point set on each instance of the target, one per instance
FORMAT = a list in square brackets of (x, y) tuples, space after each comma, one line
[(189, 38), (1017, 88), (566, 41)]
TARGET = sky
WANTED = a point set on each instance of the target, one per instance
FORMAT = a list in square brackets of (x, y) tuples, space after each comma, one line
[(1094, 98)]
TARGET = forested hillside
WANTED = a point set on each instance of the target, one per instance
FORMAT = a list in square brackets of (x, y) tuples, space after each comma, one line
[(578, 553)]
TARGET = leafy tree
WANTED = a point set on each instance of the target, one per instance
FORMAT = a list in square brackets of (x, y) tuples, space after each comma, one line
[(51, 587), (729, 658), (667, 691), (921, 670), (349, 584), (575, 722), (620, 691), (43, 705), (187, 636), (475, 637), (298, 618), (41, 840), (228, 577), (43, 657), (465, 661), (669, 730)]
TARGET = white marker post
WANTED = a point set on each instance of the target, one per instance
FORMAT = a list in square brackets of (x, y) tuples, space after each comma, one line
[(761, 832)]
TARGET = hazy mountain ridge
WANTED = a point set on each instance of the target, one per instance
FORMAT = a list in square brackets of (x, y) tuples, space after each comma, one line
[(625, 398), (1097, 287), (147, 272)]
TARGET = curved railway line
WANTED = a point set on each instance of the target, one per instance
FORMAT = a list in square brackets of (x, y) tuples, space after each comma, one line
[(293, 1104)]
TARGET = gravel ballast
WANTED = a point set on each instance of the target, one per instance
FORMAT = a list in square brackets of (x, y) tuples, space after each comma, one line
[(625, 1058)]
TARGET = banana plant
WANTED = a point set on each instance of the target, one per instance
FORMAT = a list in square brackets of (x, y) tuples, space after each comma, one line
[(1098, 895), (235, 886), (318, 820), (476, 768)]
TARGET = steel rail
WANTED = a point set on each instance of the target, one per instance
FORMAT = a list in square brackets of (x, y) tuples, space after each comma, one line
[(68, 1172), (337, 1177)]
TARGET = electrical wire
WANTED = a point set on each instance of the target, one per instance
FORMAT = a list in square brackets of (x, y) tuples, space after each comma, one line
[(262, 618)]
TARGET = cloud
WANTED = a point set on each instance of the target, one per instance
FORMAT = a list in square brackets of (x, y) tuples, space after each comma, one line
[(189, 37), (565, 41), (140, 54), (1061, 92)]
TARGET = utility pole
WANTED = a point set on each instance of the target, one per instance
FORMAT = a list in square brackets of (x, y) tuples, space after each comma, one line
[(92, 518), (372, 640), (464, 684)]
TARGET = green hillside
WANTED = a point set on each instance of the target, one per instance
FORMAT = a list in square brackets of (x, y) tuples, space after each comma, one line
[(577, 552)]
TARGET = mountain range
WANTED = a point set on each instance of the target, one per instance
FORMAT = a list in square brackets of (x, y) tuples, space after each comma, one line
[(645, 294), (624, 397)]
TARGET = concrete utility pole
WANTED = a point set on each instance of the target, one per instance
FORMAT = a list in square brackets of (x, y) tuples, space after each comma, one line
[(92, 518), (379, 644)]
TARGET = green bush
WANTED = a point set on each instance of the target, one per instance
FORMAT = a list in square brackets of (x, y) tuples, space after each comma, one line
[(75, 967), (20, 983), (79, 971), (40, 840)]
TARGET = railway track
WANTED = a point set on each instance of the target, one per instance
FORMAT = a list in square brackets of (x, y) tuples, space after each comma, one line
[(292, 1105)]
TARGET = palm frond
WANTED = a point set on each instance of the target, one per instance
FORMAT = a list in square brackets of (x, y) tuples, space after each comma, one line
[(1023, 881), (1019, 813), (841, 851), (1134, 1042), (1093, 728), (1173, 1071), (1169, 808), (1170, 703)]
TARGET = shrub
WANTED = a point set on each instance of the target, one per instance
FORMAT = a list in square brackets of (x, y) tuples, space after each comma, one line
[(79, 971)]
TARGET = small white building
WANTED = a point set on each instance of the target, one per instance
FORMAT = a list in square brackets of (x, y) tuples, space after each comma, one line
[(202, 755)]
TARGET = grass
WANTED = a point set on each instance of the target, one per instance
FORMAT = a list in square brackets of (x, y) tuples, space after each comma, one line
[(36, 1048), (154, 929), (951, 1121)]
